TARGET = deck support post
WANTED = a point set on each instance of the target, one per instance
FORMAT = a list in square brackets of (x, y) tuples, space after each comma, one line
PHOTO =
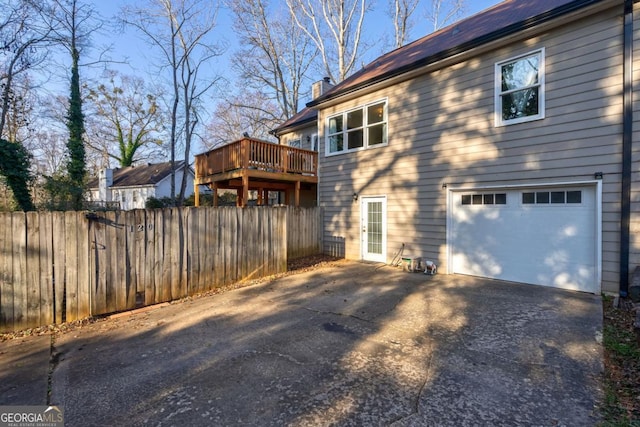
[(245, 190), (260, 196)]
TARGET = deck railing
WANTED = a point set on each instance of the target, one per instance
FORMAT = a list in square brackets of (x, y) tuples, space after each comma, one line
[(253, 154)]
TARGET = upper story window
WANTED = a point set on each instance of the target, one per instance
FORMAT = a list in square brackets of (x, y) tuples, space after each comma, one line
[(520, 89), (357, 129)]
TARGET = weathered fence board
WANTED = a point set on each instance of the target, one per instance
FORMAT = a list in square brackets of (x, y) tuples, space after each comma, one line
[(59, 261), (62, 266), (46, 268), (70, 289), (305, 236), (20, 296), (7, 291), (84, 273), (32, 269)]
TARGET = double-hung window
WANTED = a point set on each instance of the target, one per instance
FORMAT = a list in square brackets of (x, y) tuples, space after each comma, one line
[(520, 89), (360, 128)]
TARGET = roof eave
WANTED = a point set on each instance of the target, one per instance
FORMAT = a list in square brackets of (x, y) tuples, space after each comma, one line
[(294, 126)]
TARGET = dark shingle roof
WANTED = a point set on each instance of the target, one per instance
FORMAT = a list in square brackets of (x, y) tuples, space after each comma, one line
[(498, 22), (306, 115), (132, 176)]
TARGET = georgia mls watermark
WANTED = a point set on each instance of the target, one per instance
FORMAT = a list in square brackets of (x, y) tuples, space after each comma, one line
[(31, 416)]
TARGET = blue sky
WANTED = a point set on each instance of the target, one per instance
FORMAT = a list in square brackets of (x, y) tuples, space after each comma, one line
[(130, 45)]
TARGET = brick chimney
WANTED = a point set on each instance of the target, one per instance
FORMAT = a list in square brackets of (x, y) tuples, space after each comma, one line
[(105, 180), (320, 87)]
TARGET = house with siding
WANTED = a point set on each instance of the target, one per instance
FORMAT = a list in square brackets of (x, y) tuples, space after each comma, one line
[(130, 187), (501, 146)]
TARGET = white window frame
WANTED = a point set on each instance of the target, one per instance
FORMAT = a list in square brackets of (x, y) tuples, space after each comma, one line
[(314, 143), (365, 126), (499, 121)]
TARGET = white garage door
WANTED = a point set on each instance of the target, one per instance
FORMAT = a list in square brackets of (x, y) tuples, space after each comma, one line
[(541, 236)]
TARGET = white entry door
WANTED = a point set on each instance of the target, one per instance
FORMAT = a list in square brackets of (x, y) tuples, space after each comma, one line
[(373, 225)]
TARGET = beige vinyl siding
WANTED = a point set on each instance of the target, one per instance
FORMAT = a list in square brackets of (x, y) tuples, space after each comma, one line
[(441, 131), (301, 134)]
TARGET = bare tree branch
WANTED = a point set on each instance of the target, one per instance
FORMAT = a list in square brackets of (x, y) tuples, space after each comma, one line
[(179, 30), (277, 54), (335, 26), (444, 12), (401, 12), (126, 123), (25, 33)]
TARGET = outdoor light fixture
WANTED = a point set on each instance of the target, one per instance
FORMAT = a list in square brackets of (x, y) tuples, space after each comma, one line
[(597, 175), (355, 197)]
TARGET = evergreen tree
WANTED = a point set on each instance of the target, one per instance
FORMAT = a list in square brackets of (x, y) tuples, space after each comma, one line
[(15, 168), (76, 167)]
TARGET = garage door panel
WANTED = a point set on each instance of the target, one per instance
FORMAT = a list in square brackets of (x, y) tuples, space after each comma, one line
[(552, 245)]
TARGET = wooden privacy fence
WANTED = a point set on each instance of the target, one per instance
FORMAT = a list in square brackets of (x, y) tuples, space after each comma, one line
[(62, 266)]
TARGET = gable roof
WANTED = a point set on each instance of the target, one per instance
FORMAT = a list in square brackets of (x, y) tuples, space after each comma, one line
[(498, 22), (144, 175)]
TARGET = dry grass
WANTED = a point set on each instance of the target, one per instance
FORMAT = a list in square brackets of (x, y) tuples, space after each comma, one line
[(621, 406)]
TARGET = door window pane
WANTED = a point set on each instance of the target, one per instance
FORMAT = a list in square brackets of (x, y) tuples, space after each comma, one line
[(374, 227), (542, 197), (528, 198), (574, 196), (557, 197)]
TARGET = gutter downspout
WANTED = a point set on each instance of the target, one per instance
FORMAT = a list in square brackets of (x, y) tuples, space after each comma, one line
[(627, 129)]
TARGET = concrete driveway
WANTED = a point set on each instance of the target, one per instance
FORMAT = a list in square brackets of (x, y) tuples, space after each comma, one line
[(347, 344)]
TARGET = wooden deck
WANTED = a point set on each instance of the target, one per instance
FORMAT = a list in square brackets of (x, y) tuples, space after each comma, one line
[(251, 164)]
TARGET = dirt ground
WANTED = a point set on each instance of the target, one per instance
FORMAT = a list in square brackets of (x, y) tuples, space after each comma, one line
[(293, 267), (622, 364)]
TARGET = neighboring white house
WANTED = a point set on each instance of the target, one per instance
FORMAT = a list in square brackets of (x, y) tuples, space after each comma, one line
[(133, 185)]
